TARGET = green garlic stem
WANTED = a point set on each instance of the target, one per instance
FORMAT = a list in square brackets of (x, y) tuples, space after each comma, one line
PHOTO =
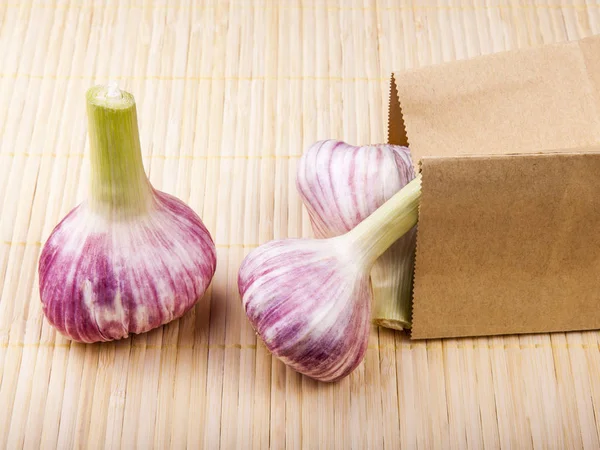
[(388, 223), (119, 185), (392, 287)]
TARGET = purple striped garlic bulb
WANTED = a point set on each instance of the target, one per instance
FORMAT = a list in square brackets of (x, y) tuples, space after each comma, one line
[(309, 300), (341, 185), (129, 258)]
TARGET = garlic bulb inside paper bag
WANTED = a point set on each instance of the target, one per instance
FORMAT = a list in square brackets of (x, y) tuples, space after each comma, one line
[(341, 185)]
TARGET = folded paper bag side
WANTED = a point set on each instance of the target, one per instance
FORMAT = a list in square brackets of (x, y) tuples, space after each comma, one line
[(396, 129), (508, 245), (520, 101)]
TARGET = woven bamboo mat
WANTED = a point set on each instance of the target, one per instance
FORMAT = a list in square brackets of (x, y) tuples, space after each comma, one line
[(229, 94)]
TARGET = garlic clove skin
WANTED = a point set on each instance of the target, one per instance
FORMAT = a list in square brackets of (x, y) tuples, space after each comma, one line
[(340, 186), (309, 301), (102, 280)]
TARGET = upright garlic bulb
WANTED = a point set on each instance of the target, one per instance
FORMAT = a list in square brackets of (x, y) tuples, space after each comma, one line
[(341, 185), (129, 258), (309, 300)]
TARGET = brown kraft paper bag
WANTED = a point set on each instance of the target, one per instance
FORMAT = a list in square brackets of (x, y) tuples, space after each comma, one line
[(509, 224)]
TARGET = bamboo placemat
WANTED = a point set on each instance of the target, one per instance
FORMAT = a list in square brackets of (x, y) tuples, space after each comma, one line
[(229, 95)]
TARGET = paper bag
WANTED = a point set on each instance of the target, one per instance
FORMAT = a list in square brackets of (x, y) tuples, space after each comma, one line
[(509, 223)]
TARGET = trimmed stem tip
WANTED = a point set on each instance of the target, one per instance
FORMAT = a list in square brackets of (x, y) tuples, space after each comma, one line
[(113, 90)]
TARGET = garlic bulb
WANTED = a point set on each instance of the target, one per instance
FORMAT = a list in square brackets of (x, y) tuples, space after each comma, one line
[(309, 300), (129, 258), (340, 185)]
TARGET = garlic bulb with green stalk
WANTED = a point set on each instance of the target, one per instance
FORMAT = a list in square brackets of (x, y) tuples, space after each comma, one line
[(309, 300), (129, 258), (340, 185)]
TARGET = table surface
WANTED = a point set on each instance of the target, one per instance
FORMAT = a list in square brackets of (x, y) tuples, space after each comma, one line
[(229, 94)]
